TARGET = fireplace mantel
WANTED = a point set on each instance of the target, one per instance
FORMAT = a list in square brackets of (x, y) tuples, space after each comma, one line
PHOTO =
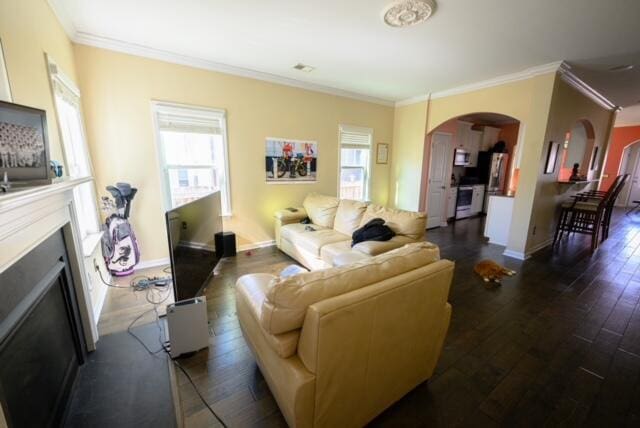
[(28, 217)]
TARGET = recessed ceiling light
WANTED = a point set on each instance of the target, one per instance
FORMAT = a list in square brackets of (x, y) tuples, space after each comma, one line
[(304, 67), (404, 13), (625, 67)]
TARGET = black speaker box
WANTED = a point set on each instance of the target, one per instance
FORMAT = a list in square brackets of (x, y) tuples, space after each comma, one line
[(225, 244)]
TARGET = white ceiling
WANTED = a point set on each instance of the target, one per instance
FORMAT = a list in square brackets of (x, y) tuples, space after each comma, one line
[(353, 50), (629, 116)]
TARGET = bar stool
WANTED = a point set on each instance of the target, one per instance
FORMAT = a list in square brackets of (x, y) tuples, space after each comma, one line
[(589, 213)]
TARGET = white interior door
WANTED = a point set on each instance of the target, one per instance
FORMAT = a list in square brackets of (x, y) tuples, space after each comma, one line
[(634, 191), (626, 166), (436, 199)]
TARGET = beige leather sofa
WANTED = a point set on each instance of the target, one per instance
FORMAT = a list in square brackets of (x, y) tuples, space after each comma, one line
[(334, 221), (338, 346)]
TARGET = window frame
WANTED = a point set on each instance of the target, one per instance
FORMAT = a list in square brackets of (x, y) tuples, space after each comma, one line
[(61, 82), (368, 169), (219, 115)]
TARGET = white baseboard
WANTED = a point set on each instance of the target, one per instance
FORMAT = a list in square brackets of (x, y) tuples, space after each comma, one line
[(540, 246), (524, 256), (102, 296), (515, 254), (146, 264), (255, 245)]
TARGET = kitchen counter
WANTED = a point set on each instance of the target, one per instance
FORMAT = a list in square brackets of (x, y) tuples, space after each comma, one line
[(499, 213)]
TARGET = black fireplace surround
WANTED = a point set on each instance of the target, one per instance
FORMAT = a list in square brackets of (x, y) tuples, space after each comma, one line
[(41, 340)]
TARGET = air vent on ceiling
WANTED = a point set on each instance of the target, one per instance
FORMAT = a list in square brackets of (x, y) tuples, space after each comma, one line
[(304, 67)]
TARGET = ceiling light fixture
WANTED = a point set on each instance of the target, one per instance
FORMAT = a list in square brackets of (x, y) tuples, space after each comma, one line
[(304, 67), (405, 13), (625, 67)]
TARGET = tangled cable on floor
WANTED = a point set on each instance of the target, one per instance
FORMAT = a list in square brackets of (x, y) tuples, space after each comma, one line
[(157, 292)]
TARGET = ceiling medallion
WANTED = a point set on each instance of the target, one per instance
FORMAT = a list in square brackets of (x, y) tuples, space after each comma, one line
[(405, 13)]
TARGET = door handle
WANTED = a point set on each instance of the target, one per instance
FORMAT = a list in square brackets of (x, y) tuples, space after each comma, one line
[(443, 187)]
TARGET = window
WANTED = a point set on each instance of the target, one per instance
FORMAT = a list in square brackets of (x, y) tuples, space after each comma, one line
[(193, 153), (76, 152), (355, 161)]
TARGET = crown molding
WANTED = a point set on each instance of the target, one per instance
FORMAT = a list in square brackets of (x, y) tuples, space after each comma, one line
[(413, 100), (500, 80), (64, 18), (574, 81), (175, 58), (89, 39)]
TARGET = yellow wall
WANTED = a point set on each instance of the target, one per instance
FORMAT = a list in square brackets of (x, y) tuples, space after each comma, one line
[(406, 158), (568, 106), (117, 90), (29, 29), (526, 100), (546, 107)]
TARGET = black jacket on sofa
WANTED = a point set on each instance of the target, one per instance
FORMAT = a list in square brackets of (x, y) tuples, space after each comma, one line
[(374, 230)]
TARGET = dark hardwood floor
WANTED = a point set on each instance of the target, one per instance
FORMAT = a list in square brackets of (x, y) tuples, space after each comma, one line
[(556, 345)]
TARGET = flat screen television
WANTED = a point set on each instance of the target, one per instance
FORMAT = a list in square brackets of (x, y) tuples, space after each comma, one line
[(191, 229)]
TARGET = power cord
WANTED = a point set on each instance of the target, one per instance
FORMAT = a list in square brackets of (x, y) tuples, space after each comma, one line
[(198, 392), (163, 346), (108, 284)]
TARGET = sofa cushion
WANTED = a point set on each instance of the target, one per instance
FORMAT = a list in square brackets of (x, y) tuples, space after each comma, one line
[(287, 299), (330, 251), (321, 209), (373, 248), (407, 223), (314, 241), (252, 289), (292, 232), (348, 216)]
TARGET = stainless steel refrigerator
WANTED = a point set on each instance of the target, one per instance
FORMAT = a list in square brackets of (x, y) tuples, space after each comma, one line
[(492, 171)]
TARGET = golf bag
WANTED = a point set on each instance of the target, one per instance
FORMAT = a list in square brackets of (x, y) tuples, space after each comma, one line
[(119, 245)]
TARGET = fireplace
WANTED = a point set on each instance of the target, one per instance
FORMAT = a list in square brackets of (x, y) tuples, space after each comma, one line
[(41, 338)]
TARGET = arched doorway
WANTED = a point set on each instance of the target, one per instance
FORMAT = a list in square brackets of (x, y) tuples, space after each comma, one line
[(579, 152), (458, 158)]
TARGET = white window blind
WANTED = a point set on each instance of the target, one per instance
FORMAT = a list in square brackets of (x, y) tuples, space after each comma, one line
[(355, 161), (193, 153), (76, 151)]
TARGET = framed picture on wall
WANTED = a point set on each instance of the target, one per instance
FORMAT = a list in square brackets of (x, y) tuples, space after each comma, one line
[(290, 161), (5, 89), (24, 147), (552, 156), (382, 153)]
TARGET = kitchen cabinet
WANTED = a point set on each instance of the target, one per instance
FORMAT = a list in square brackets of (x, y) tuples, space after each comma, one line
[(463, 134), (490, 136), (478, 199), (469, 140), (452, 196), (473, 147)]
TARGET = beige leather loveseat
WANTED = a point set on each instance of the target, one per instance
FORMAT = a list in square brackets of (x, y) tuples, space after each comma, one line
[(337, 346), (334, 220)]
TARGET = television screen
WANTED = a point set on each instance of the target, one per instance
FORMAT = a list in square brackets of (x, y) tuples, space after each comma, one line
[(191, 229)]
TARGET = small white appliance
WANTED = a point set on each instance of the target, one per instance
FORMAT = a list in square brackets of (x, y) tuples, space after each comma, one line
[(461, 157), (187, 325)]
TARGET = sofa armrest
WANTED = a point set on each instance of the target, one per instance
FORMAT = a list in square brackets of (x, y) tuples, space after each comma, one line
[(250, 295), (286, 217)]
